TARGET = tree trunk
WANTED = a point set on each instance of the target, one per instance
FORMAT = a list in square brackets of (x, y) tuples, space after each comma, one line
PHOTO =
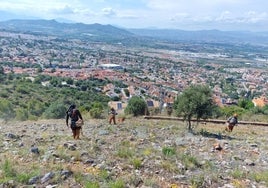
[(189, 125)]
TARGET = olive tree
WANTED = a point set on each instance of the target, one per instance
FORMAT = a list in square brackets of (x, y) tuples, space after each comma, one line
[(196, 101)]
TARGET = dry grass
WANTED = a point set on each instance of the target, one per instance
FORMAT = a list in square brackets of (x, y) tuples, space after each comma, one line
[(146, 147)]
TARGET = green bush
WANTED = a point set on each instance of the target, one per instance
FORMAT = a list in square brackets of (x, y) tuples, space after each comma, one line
[(96, 110), (230, 110), (246, 104), (96, 113), (56, 110), (136, 106), (6, 110), (21, 114), (35, 107)]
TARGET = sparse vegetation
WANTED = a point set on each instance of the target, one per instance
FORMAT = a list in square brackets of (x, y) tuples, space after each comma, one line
[(260, 176), (168, 151), (31, 100), (137, 163), (128, 157)]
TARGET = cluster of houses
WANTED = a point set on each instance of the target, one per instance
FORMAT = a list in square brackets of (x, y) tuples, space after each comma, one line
[(158, 74)]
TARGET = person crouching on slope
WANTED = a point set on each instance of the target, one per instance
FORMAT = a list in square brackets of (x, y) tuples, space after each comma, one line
[(231, 122)]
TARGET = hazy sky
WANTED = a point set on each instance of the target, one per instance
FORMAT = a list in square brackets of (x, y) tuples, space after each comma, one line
[(180, 14)]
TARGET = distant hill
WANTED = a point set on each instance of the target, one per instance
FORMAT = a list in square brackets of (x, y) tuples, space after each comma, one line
[(147, 37), (209, 36), (67, 30)]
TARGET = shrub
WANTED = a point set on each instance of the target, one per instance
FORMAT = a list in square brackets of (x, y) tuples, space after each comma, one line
[(96, 110), (21, 114), (6, 110), (95, 113), (136, 106), (56, 110), (35, 107)]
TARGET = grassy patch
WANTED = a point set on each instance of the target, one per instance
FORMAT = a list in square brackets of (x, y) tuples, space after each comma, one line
[(238, 174), (260, 177), (11, 171), (117, 184), (190, 162), (137, 163), (150, 182), (169, 166), (197, 181), (168, 151), (92, 184), (125, 149), (8, 169)]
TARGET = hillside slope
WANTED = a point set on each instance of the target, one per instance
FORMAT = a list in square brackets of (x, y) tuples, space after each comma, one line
[(135, 153), (67, 30)]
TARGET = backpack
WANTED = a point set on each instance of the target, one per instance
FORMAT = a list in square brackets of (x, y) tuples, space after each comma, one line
[(232, 120)]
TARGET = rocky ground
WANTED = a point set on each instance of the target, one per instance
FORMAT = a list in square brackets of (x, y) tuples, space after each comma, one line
[(136, 153)]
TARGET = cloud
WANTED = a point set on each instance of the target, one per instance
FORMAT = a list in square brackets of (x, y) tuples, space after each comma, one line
[(254, 17), (65, 10), (108, 12), (247, 17), (148, 13)]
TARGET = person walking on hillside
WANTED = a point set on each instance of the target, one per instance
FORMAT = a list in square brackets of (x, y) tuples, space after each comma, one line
[(76, 121), (231, 122), (112, 116)]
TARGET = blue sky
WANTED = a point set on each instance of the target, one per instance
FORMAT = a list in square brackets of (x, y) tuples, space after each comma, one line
[(176, 14)]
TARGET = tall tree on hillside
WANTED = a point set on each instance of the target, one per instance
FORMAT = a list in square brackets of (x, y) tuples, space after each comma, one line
[(195, 102)]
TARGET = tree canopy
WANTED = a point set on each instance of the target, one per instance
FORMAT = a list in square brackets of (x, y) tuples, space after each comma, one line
[(196, 101), (136, 106)]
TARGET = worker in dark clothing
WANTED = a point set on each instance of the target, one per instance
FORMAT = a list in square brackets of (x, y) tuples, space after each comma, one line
[(76, 120)]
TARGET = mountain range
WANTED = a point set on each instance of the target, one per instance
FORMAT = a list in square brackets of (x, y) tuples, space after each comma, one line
[(109, 33)]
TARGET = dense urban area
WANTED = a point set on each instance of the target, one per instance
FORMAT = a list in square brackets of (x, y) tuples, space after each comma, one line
[(157, 73)]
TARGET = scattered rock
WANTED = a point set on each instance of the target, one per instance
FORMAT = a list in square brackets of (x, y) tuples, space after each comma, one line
[(249, 162), (113, 153), (71, 146), (47, 177), (35, 150), (12, 136), (65, 174), (34, 180)]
